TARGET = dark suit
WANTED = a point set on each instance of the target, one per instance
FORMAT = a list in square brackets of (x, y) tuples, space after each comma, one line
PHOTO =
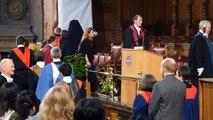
[(23, 75), (129, 39), (2, 80), (199, 56), (167, 101)]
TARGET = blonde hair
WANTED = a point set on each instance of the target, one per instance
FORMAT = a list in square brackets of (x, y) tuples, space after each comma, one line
[(86, 33), (56, 105)]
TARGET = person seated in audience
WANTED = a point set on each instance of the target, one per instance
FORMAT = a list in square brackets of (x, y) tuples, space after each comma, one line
[(89, 109), (57, 33), (51, 42), (26, 106), (50, 74), (40, 62), (191, 110), (56, 105), (7, 68), (8, 94), (141, 102), (72, 86)]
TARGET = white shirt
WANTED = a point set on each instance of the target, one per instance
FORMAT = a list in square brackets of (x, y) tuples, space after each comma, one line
[(20, 45), (56, 60), (41, 64), (138, 29), (9, 79)]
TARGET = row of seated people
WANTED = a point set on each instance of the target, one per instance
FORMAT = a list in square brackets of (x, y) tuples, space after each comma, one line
[(57, 104)]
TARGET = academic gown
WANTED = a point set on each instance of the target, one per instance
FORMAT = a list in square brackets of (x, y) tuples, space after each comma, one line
[(47, 54), (69, 45), (191, 111), (141, 104), (45, 81), (86, 49), (24, 77), (199, 56), (129, 41), (2, 80)]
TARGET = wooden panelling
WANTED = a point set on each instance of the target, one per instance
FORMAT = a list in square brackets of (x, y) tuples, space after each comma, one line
[(111, 17), (206, 98)]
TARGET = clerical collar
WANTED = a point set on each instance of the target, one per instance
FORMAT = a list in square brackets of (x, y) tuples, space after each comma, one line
[(57, 60), (138, 29), (9, 79), (40, 64), (21, 45)]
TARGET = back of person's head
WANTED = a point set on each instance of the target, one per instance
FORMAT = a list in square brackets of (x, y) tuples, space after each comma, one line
[(65, 69), (56, 105), (64, 33), (148, 82), (86, 33), (89, 109), (169, 65), (51, 39), (57, 31), (39, 55), (26, 104), (26, 43), (56, 53), (204, 24), (185, 73), (20, 40), (8, 94)]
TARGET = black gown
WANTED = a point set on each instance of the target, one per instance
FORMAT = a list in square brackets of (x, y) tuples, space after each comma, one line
[(199, 56), (69, 44), (24, 77), (86, 49), (129, 40)]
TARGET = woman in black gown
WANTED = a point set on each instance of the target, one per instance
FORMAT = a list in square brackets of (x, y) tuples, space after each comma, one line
[(87, 49)]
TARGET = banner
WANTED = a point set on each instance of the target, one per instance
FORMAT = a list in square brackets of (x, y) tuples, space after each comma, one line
[(80, 10)]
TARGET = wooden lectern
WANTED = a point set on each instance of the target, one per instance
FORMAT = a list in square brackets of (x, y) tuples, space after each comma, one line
[(205, 98), (134, 61)]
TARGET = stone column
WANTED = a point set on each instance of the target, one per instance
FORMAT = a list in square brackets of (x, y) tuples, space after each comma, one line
[(50, 17)]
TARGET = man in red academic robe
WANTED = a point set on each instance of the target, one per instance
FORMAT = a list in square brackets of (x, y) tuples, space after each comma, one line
[(134, 35)]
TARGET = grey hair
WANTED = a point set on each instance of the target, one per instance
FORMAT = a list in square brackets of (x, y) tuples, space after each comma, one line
[(204, 23), (56, 52), (4, 62)]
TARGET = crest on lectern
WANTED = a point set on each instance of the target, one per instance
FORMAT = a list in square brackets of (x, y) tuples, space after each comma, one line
[(128, 60)]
